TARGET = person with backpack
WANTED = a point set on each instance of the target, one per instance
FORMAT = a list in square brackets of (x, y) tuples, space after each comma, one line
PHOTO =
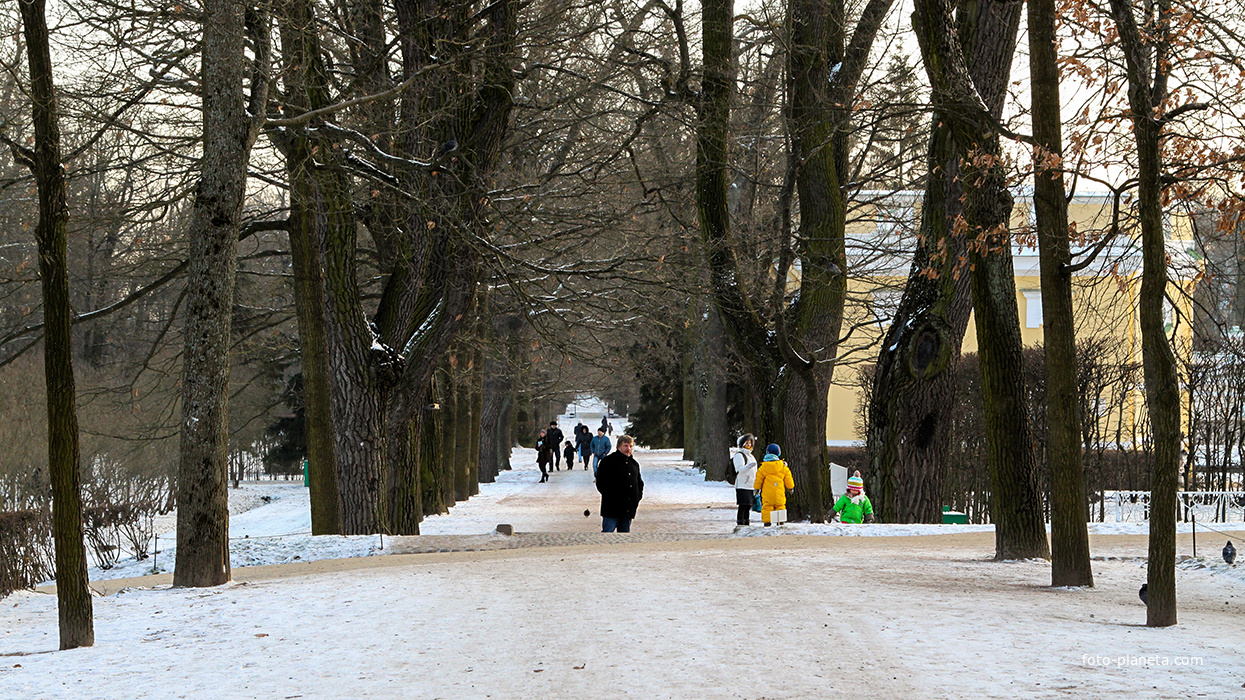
[(773, 481), (743, 469)]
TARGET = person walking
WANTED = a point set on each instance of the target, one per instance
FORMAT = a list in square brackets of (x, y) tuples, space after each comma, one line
[(773, 480), (544, 456), (554, 435), (618, 481), (569, 453), (605, 425), (583, 442), (745, 475), (600, 447)]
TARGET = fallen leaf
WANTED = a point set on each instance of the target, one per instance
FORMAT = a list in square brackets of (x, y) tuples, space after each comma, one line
[(262, 634)]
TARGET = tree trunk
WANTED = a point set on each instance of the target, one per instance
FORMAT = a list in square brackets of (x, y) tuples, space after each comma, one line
[(449, 414), (228, 134), (73, 595), (1016, 505), (305, 81), (1070, 564), (1146, 70), (794, 351), (463, 379), (477, 413), (713, 441), (913, 386), (405, 494)]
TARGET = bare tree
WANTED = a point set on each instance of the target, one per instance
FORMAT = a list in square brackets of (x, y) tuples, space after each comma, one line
[(230, 126), (73, 596)]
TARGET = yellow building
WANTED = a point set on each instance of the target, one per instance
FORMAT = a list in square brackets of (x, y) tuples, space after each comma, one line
[(880, 242)]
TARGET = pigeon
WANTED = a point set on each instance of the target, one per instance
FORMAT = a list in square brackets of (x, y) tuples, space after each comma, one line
[(1229, 553), (1142, 593), (587, 512)]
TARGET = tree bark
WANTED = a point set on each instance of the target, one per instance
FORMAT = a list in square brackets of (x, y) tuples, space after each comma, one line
[(713, 447), (228, 134), (73, 595), (1016, 507), (1070, 563), (913, 386), (1146, 70), (305, 83)]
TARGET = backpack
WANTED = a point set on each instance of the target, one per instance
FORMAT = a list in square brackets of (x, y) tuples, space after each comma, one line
[(731, 474)]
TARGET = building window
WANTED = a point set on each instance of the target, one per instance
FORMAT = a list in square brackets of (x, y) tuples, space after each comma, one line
[(1033, 308)]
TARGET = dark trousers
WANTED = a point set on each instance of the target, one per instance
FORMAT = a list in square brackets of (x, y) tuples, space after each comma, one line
[(615, 524), (544, 472), (743, 499)]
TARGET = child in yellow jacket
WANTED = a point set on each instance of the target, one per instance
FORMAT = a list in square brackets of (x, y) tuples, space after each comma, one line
[(773, 480)]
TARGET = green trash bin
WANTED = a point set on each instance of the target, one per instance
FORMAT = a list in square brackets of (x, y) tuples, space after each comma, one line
[(953, 517), (307, 479)]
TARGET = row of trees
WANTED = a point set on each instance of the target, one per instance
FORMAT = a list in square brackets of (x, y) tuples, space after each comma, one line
[(439, 215)]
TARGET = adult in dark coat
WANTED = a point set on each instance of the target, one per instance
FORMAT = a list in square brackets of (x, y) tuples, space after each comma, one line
[(554, 435), (618, 480), (583, 441)]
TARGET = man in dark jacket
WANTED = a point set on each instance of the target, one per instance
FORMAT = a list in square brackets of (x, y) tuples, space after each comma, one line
[(555, 438), (618, 480)]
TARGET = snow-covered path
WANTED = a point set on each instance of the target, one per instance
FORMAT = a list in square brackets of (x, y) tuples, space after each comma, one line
[(891, 612), (676, 499), (774, 617)]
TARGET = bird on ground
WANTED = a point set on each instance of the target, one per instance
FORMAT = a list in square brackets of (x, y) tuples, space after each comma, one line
[(1142, 593), (1229, 553)]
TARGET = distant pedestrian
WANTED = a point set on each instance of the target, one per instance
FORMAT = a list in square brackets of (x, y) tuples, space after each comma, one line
[(618, 481), (773, 480), (854, 505), (583, 442), (555, 439), (745, 474), (600, 446), (544, 456), (605, 425), (569, 453)]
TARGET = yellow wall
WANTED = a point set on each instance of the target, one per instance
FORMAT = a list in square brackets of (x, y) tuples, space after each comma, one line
[(1104, 301)]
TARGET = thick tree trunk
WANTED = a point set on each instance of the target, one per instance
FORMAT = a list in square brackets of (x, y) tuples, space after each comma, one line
[(405, 493), (713, 442), (1016, 505), (228, 133), (913, 387), (1070, 564), (1147, 91), (305, 81), (73, 595)]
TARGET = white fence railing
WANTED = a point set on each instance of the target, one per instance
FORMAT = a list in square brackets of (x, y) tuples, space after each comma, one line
[(1203, 506)]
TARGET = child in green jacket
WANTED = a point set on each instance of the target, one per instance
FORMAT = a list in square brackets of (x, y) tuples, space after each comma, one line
[(855, 505)]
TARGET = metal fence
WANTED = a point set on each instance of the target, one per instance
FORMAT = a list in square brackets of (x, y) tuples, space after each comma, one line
[(1204, 506)]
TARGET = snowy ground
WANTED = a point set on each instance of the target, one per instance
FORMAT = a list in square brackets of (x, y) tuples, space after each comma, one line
[(676, 499), (782, 615)]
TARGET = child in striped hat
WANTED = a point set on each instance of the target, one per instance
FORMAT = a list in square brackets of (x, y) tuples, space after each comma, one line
[(854, 505)]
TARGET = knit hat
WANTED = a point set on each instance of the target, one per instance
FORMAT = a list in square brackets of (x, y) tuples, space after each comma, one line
[(855, 482), (773, 449)]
